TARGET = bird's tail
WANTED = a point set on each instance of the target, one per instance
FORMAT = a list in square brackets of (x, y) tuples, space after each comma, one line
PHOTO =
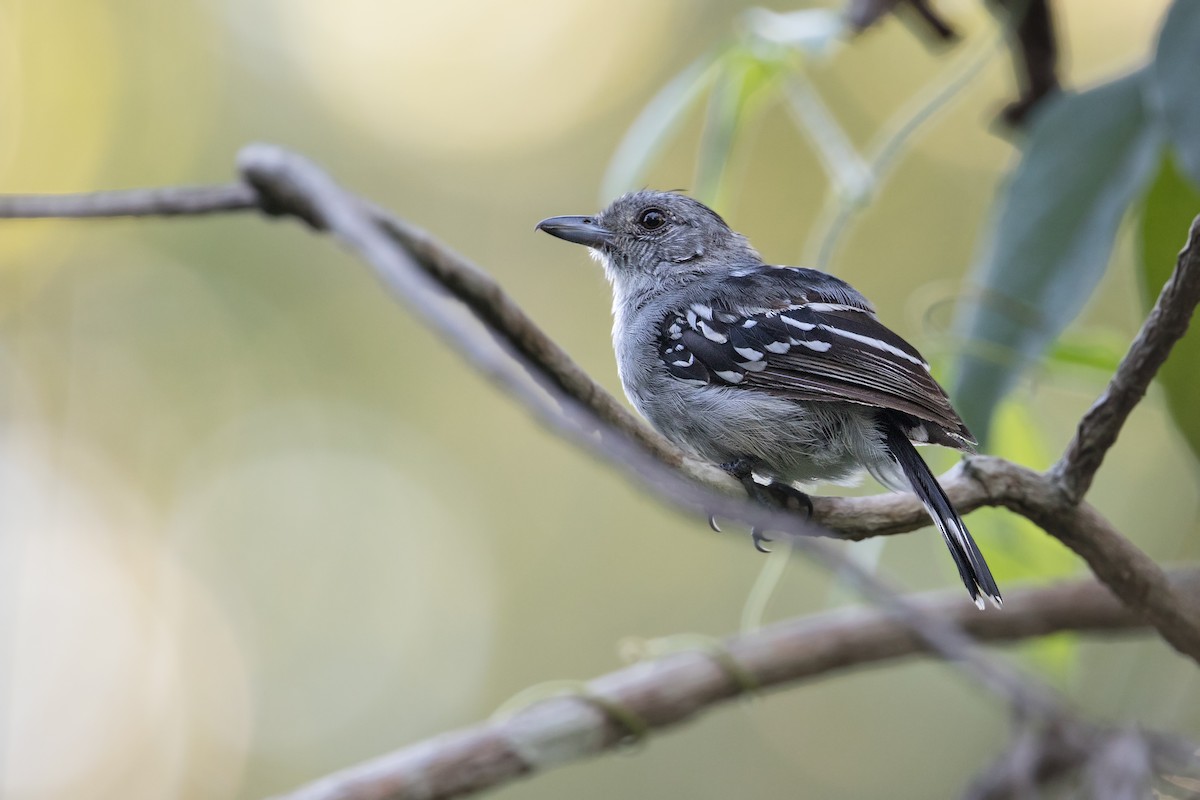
[(971, 567)]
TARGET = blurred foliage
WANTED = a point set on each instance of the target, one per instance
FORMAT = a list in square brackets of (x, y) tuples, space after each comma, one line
[(1172, 83), (1087, 159), (1020, 551), (741, 76), (768, 63)]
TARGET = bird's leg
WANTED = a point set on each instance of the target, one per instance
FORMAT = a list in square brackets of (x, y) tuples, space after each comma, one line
[(773, 494), (790, 498)]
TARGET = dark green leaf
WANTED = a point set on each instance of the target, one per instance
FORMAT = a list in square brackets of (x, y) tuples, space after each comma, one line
[(1167, 213), (658, 120), (1173, 82), (1087, 156)]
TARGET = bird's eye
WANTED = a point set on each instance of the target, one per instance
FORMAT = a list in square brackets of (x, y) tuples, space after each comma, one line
[(652, 218)]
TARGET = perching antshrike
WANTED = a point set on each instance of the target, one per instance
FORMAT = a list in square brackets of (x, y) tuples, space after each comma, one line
[(778, 372)]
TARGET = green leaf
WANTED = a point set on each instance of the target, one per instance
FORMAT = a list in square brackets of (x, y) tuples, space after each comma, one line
[(1087, 156), (1167, 213), (658, 120), (1172, 83), (1018, 550)]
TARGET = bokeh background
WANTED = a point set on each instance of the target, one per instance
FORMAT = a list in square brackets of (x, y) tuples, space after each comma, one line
[(257, 524)]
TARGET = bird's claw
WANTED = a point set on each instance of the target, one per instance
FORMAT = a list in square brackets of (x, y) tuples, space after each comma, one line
[(773, 494), (759, 538), (712, 523)]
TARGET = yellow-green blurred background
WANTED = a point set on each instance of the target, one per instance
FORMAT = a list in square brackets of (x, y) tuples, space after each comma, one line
[(257, 524)]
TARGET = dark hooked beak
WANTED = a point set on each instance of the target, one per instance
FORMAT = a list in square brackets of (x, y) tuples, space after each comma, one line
[(580, 230)]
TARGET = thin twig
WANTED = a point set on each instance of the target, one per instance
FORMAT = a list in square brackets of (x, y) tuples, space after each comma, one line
[(672, 689), (1119, 563), (1165, 325), (165, 202)]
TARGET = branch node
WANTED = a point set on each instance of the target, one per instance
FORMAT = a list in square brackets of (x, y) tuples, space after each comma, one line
[(634, 726), (634, 650), (268, 169), (746, 681)]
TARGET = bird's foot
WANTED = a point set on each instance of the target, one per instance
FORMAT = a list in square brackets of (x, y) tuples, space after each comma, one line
[(787, 497), (790, 498), (773, 495)]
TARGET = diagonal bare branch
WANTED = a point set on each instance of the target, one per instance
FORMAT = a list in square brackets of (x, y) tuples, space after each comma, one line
[(164, 202), (1119, 563), (1167, 323)]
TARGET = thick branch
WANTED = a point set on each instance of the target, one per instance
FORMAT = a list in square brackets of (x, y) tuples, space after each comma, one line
[(672, 689), (987, 481), (1125, 569), (1167, 323)]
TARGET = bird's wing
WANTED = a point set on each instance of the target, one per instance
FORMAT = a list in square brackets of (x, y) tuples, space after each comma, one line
[(814, 338)]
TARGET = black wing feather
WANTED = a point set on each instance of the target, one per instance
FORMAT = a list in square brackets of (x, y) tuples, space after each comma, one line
[(807, 335)]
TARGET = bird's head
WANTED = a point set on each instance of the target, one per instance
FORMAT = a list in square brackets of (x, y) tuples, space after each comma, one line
[(659, 238)]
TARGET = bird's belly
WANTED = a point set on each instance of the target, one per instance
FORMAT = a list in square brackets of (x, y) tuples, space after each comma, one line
[(791, 440)]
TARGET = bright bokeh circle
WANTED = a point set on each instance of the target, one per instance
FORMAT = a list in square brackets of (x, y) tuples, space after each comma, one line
[(468, 76)]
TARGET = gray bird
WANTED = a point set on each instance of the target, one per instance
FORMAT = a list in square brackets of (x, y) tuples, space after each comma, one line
[(779, 373)]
